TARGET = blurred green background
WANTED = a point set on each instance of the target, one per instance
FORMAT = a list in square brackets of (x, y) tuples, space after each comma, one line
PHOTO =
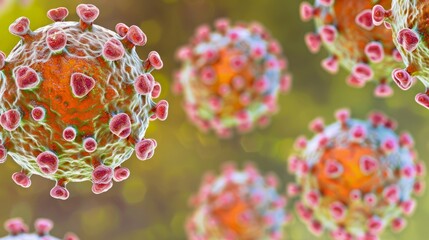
[(153, 202)]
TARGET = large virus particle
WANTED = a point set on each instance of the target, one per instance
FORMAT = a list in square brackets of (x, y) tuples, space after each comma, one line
[(231, 77), (409, 23), (76, 101), (237, 205), (19, 231), (355, 177), (346, 30)]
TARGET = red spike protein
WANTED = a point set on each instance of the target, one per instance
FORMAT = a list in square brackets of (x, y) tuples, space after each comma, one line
[(76, 101), (410, 35), (345, 28), (231, 77), (238, 205), (19, 231), (355, 177)]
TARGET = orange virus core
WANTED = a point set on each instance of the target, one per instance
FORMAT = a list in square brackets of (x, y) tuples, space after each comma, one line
[(237, 205), (354, 37), (354, 178), (225, 77), (231, 216)]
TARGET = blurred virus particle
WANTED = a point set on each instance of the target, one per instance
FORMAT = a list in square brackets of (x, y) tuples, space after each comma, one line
[(346, 30), (4, 4), (410, 27), (355, 177), (231, 77), (19, 231), (237, 205), (76, 101)]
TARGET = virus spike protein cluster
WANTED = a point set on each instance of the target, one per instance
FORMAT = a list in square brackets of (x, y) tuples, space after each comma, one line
[(345, 28), (76, 101), (231, 77), (237, 205), (355, 177), (19, 231), (408, 21)]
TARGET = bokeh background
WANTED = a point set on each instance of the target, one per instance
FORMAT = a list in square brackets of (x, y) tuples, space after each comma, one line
[(153, 202)]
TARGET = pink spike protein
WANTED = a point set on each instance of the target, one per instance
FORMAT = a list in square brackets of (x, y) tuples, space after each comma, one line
[(19, 231), (408, 21), (76, 101), (355, 177), (346, 30), (231, 77), (237, 205)]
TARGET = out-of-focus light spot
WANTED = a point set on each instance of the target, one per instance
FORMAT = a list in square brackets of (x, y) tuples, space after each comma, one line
[(207, 140), (131, 188), (250, 144), (278, 149), (23, 210), (153, 29), (96, 220), (177, 223)]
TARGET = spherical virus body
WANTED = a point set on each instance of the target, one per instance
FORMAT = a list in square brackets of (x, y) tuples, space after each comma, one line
[(355, 177), (237, 205), (410, 27), (76, 101), (346, 30), (19, 231), (231, 77)]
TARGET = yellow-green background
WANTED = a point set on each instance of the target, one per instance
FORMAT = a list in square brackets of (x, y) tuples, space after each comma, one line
[(152, 203)]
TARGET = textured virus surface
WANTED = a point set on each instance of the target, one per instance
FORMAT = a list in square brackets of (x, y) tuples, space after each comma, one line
[(237, 205), (355, 177), (19, 231), (410, 27), (76, 101), (231, 77), (346, 30)]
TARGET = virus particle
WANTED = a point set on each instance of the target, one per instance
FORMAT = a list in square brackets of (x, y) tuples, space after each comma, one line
[(19, 231), (231, 77), (4, 4), (76, 101), (237, 205), (345, 28), (408, 21), (355, 177)]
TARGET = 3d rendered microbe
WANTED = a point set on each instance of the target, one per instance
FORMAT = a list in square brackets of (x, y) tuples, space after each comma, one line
[(231, 78), (346, 30), (238, 205), (76, 101), (19, 231), (355, 177), (410, 28)]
